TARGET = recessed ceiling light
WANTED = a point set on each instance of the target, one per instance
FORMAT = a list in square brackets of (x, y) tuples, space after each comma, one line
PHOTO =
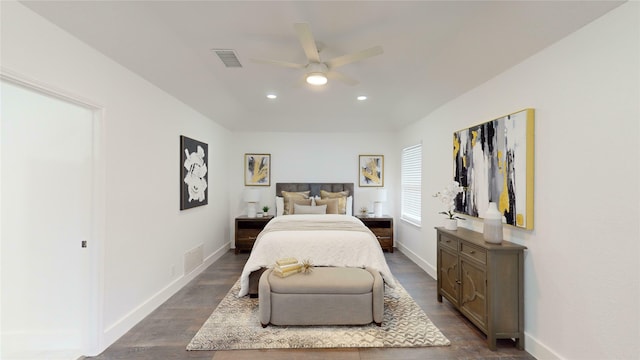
[(362, 97), (272, 96)]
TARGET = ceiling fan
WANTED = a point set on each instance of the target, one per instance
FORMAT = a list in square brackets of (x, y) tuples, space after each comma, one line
[(316, 70)]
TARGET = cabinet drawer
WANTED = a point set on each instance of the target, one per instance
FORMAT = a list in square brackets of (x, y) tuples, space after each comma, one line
[(247, 233), (474, 252), (381, 232), (448, 242)]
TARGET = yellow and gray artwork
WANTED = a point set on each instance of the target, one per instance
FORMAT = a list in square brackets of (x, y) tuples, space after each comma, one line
[(371, 171), (493, 162), (257, 169)]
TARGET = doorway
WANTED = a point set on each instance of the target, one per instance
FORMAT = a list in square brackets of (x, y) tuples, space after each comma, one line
[(47, 224)]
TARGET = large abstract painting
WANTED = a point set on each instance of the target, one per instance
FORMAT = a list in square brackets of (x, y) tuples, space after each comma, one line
[(493, 162), (193, 173)]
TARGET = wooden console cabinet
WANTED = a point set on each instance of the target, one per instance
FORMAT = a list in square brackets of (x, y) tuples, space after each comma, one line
[(484, 281), (382, 228), (247, 230)]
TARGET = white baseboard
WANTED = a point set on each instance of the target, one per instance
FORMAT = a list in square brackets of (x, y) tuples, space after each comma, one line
[(539, 350), (124, 324), (422, 263)]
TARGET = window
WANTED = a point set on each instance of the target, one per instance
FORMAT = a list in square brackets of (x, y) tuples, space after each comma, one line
[(411, 182)]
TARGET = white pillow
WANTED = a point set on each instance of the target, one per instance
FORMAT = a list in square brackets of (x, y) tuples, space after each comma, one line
[(279, 205), (350, 206), (304, 209)]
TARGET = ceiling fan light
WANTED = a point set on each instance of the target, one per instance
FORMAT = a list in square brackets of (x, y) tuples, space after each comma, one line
[(316, 78)]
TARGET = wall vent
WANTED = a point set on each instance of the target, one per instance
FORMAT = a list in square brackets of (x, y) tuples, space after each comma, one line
[(192, 259), (228, 57)]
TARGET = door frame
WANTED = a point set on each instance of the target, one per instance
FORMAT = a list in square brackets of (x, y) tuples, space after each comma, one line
[(94, 342)]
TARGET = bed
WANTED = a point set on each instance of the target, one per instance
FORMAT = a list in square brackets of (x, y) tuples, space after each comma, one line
[(325, 240)]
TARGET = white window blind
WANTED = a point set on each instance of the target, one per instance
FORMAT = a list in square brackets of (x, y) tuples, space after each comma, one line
[(411, 182)]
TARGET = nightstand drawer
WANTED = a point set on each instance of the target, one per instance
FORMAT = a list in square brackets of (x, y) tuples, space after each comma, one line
[(381, 232), (382, 228), (247, 230), (373, 223), (244, 234), (386, 243)]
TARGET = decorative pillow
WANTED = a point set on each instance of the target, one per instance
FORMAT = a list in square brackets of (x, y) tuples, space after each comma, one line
[(332, 205), (341, 196), (308, 209), (294, 202), (350, 205), (290, 197)]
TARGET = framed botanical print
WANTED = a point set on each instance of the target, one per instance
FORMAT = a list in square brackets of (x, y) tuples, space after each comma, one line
[(193, 173), (371, 170), (257, 169)]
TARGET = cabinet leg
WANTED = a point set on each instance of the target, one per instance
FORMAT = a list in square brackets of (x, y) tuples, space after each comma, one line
[(491, 342), (236, 251), (520, 343), (439, 298)]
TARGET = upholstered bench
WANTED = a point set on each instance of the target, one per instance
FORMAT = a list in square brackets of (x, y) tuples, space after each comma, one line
[(325, 296)]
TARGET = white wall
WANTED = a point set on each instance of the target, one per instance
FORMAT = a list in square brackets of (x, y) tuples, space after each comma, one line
[(142, 262), (581, 266), (312, 157)]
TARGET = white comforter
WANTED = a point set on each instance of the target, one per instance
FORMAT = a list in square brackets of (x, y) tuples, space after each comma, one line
[(336, 244)]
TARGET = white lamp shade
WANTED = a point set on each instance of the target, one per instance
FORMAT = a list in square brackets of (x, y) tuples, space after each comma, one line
[(252, 195), (380, 195)]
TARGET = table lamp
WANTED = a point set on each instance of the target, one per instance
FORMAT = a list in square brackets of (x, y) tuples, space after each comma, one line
[(379, 196), (251, 197)]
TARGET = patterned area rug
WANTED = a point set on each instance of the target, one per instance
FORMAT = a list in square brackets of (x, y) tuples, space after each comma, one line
[(234, 325)]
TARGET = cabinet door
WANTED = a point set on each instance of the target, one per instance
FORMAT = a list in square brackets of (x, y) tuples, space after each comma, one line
[(448, 275), (473, 292)]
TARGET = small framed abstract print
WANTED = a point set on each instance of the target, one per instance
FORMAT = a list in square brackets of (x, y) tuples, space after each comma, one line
[(193, 173), (371, 171), (257, 169)]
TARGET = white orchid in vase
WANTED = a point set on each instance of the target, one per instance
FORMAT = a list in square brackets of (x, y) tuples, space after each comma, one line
[(448, 198)]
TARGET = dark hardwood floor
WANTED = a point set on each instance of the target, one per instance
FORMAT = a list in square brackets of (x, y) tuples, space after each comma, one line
[(165, 333)]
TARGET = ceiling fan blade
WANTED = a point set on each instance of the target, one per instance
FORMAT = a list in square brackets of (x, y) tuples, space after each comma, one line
[(349, 58), (308, 43), (280, 63), (341, 77)]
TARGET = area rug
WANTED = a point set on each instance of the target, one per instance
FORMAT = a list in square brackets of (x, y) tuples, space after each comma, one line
[(234, 325)]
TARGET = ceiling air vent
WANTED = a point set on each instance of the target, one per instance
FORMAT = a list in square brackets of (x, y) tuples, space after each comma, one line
[(228, 57)]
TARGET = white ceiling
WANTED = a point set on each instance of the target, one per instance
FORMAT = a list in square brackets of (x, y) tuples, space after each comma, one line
[(434, 51)]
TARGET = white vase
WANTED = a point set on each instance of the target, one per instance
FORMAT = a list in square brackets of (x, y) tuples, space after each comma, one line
[(451, 224), (492, 228)]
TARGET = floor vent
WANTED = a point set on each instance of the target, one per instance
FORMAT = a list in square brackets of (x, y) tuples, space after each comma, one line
[(192, 259), (228, 57)]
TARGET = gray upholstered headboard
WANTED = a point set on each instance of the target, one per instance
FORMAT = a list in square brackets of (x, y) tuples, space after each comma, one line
[(315, 188)]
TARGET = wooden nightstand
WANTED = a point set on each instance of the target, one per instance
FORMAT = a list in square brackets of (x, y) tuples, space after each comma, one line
[(382, 228), (247, 230)]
